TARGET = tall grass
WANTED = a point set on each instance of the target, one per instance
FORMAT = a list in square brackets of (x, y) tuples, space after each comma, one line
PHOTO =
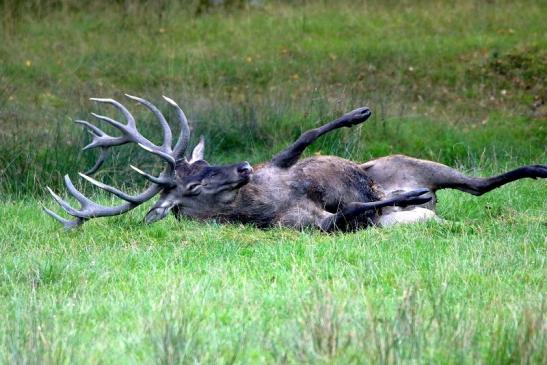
[(457, 83), (30, 164)]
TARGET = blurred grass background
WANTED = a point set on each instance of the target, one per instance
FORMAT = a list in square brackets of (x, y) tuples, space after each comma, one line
[(462, 83)]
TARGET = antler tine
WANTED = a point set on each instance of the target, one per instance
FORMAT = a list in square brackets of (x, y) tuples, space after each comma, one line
[(120, 194), (161, 180), (184, 136), (102, 158), (69, 224), (96, 131), (166, 156), (66, 207), (90, 209), (100, 139), (167, 134), (128, 116), (84, 202), (122, 127)]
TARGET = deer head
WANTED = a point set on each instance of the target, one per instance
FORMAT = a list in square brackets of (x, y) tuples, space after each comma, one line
[(185, 182), (201, 185)]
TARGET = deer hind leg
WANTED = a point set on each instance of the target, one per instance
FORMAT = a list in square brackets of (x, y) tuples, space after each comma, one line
[(291, 154), (399, 172), (481, 185)]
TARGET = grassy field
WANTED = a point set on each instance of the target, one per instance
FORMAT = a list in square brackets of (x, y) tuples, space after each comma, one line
[(462, 84), (470, 290)]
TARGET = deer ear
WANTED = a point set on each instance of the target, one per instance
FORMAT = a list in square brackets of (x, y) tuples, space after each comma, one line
[(199, 150)]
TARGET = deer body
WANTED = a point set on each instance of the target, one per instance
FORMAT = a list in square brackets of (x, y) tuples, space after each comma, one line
[(324, 192), (303, 195)]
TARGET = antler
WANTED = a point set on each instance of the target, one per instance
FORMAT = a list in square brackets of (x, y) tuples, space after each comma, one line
[(89, 209)]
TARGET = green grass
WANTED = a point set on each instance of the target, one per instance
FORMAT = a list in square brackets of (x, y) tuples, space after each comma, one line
[(461, 84), (469, 290)]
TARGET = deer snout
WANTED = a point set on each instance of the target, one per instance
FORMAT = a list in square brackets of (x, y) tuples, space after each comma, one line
[(160, 209), (244, 169), (157, 212)]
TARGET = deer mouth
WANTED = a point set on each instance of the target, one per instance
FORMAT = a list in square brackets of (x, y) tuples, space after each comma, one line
[(233, 185), (228, 185), (158, 211)]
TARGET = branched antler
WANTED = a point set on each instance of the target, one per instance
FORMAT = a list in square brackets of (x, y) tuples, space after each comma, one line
[(89, 209)]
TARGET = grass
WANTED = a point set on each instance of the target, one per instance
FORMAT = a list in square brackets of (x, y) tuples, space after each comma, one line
[(463, 84), (469, 290)]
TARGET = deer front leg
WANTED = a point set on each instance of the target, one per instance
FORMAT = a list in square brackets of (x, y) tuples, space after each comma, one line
[(291, 154), (343, 219)]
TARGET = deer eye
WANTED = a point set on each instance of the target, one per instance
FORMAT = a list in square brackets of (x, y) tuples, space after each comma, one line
[(192, 186)]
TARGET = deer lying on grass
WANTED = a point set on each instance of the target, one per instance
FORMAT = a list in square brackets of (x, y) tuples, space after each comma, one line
[(326, 192)]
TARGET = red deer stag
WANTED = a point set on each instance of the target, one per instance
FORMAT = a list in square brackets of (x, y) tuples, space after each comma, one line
[(326, 192)]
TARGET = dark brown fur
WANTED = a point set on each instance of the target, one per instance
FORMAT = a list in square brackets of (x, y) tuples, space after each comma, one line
[(332, 193), (327, 192), (304, 195)]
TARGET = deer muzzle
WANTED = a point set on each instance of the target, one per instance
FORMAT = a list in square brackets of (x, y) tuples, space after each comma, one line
[(158, 211)]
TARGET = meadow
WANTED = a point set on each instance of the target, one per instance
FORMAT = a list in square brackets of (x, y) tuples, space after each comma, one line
[(463, 84)]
